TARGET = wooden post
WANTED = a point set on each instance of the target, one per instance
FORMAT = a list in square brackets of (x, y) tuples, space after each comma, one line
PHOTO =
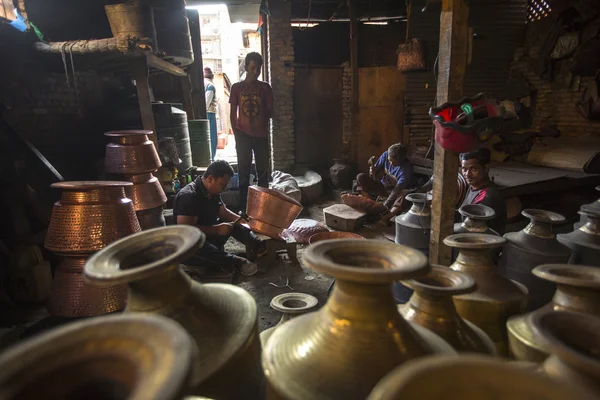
[(186, 96), (196, 69), (452, 64), (140, 74)]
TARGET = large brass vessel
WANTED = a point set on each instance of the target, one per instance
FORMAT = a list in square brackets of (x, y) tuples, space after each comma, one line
[(133, 357), (221, 318), (471, 378), (342, 350), (496, 297), (431, 306), (536, 244), (585, 241), (573, 339), (577, 289)]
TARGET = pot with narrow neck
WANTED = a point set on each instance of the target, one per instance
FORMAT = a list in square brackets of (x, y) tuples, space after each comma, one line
[(583, 218), (497, 297), (221, 318), (343, 349), (290, 305), (573, 341), (585, 241), (413, 227), (475, 217), (577, 290), (536, 244), (431, 306)]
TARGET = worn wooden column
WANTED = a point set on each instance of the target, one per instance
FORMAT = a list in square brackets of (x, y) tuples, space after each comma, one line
[(196, 69), (140, 74), (454, 29)]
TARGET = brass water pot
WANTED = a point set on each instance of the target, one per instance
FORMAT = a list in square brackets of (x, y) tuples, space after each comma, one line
[(573, 339), (536, 244), (130, 153), (221, 318), (290, 305), (475, 217), (133, 357), (496, 297), (585, 241), (414, 226), (471, 378), (431, 306), (342, 350), (577, 289)]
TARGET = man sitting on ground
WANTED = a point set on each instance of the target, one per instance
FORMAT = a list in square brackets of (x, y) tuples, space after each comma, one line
[(199, 204), (392, 176)]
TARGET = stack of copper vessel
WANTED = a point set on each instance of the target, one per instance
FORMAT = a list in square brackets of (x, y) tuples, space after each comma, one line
[(89, 216), (132, 155)]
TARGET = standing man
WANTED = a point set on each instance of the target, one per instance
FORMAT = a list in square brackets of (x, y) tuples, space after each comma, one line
[(251, 109), (475, 167), (210, 95)]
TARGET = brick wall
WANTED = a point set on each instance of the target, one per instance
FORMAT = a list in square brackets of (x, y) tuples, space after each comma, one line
[(281, 76), (347, 110)]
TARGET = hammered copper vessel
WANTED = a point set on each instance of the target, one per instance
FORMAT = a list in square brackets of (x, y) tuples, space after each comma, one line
[(363, 203), (573, 340), (146, 192), (133, 357), (89, 216), (577, 289), (496, 297), (130, 153), (270, 207), (343, 349), (431, 306), (290, 305), (585, 241), (475, 217), (414, 226), (534, 245), (221, 318), (470, 378)]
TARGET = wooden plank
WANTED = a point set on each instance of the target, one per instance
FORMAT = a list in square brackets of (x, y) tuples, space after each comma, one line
[(196, 69), (453, 53), (163, 65), (140, 74), (186, 96)]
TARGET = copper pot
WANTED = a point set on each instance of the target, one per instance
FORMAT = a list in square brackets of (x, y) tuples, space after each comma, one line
[(134, 357), (344, 348), (72, 297), (271, 207), (475, 217), (431, 306), (221, 318), (89, 216), (414, 226), (577, 289), (146, 192), (496, 297), (470, 378), (130, 153), (290, 305), (573, 341), (534, 245), (318, 237), (585, 241)]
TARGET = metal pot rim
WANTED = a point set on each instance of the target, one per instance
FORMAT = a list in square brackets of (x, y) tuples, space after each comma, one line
[(486, 214), (133, 132), (103, 268), (567, 274), (329, 235), (419, 197), (88, 185), (277, 303), (277, 194), (474, 241), (461, 283), (544, 216), (405, 262)]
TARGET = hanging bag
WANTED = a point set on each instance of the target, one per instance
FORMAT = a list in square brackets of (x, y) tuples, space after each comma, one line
[(411, 55)]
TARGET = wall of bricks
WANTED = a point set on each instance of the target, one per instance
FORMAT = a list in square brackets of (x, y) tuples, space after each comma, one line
[(347, 110), (281, 76)]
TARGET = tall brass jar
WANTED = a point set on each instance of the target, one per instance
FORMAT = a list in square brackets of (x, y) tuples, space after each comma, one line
[(431, 306), (585, 241), (342, 350), (221, 318), (134, 357), (577, 289), (573, 339), (496, 297), (88, 216), (534, 245)]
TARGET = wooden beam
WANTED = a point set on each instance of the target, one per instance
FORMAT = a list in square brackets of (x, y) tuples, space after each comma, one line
[(140, 74), (163, 65), (453, 52), (196, 69)]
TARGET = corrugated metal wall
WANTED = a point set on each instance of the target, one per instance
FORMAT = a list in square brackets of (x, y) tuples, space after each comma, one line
[(499, 26)]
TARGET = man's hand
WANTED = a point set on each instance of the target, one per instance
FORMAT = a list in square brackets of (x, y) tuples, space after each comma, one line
[(224, 229)]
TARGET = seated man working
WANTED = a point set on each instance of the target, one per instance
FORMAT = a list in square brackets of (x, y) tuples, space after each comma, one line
[(475, 168), (199, 204), (391, 175)]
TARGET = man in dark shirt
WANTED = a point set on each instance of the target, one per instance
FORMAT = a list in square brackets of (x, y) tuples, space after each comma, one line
[(199, 204), (475, 168), (392, 176)]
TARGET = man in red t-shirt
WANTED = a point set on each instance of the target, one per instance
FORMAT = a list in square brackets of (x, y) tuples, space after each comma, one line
[(251, 108)]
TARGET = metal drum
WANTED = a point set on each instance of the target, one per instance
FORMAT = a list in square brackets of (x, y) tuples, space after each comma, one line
[(200, 142), (172, 122), (172, 30)]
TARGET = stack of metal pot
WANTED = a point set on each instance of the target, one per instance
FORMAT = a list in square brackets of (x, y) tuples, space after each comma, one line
[(132, 155)]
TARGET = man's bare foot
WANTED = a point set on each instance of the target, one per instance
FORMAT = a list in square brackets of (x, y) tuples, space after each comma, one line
[(364, 194)]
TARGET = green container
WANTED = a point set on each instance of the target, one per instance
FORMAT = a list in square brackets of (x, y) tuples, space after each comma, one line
[(200, 142)]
